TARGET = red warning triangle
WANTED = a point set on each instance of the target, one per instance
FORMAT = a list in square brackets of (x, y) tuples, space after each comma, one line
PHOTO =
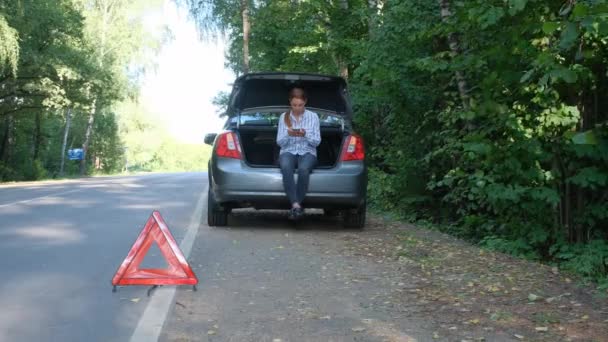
[(178, 272)]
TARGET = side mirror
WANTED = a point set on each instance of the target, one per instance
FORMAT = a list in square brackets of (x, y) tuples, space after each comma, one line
[(210, 138)]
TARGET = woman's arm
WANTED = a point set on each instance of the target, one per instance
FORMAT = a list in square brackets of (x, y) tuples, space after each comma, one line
[(282, 136), (313, 135)]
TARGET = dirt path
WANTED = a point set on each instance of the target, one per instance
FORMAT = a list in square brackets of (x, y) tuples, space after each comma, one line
[(262, 280)]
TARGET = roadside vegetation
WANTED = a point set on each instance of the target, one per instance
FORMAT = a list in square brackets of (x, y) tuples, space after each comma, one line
[(487, 119)]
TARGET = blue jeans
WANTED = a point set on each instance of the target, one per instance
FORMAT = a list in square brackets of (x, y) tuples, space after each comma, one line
[(287, 162)]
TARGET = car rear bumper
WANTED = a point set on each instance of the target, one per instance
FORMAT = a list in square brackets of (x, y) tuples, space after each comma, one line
[(235, 182)]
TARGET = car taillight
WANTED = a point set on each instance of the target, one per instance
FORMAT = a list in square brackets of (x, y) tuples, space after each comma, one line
[(228, 146), (353, 148)]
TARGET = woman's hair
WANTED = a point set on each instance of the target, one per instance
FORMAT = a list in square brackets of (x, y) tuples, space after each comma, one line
[(298, 93), (294, 93)]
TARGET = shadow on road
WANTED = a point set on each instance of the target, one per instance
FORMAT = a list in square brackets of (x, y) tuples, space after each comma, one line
[(313, 220)]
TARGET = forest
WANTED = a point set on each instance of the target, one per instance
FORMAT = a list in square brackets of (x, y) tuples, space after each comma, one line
[(70, 75), (486, 119)]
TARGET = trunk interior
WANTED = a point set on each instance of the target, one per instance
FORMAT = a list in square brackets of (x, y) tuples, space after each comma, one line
[(261, 150)]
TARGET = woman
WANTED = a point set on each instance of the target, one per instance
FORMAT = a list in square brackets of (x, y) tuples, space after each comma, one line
[(298, 136)]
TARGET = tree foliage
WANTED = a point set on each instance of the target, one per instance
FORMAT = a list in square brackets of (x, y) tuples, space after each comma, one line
[(487, 116), (67, 56), (9, 46)]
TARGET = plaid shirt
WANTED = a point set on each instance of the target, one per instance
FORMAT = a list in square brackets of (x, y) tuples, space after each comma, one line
[(309, 121)]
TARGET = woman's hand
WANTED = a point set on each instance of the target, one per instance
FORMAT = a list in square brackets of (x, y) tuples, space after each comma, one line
[(296, 132)]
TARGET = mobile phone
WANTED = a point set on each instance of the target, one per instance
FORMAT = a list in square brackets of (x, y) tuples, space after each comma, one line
[(295, 129)]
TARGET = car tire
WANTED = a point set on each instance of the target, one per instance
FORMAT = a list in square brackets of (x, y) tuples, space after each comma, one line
[(355, 218), (216, 216)]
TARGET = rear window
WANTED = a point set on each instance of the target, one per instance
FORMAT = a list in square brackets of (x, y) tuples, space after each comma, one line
[(267, 118)]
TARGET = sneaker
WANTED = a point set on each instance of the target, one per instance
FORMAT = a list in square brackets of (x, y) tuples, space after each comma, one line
[(299, 212), (292, 214)]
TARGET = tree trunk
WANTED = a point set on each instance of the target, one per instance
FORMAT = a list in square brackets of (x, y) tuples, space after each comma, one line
[(581, 232), (87, 138), (4, 143), (246, 29), (567, 210), (37, 135), (372, 5), (8, 140), (341, 63), (68, 121), (455, 48)]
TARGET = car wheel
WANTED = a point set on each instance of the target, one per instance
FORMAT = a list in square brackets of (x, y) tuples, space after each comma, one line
[(355, 218), (216, 216)]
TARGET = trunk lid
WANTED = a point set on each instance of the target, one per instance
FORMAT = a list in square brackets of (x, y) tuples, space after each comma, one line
[(258, 90)]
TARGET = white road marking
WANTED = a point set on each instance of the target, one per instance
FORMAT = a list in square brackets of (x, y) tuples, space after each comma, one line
[(151, 322), (41, 197)]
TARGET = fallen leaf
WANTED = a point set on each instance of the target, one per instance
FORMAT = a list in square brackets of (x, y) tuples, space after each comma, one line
[(358, 329), (211, 332), (492, 288), (532, 297), (521, 337), (135, 300), (541, 329)]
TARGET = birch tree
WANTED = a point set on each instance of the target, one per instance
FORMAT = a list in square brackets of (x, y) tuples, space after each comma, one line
[(455, 49), (114, 30)]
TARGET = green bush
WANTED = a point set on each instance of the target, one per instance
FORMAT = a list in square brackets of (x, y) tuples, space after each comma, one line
[(590, 259), (520, 247)]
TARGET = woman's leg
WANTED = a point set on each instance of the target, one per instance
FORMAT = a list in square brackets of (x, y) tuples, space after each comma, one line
[(305, 165), (287, 162)]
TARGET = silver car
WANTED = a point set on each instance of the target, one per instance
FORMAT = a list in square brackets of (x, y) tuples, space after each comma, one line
[(244, 170)]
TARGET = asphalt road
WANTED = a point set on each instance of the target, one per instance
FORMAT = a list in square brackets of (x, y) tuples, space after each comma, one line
[(62, 242)]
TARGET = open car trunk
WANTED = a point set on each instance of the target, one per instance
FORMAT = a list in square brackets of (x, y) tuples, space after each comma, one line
[(257, 101), (261, 150)]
